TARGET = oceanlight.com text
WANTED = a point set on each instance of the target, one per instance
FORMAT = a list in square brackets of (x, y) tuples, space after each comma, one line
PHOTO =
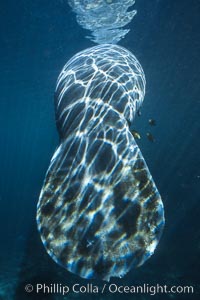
[(58, 288)]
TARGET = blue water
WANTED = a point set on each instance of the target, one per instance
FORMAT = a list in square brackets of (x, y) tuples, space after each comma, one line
[(37, 38)]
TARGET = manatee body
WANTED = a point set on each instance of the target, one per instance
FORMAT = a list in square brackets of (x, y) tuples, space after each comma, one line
[(99, 213)]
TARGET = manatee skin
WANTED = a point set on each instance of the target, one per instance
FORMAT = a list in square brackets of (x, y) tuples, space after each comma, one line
[(99, 213)]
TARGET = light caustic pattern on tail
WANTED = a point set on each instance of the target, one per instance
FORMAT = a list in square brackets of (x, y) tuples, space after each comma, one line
[(99, 212)]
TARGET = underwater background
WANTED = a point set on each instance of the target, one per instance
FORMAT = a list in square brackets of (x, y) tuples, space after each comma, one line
[(37, 39)]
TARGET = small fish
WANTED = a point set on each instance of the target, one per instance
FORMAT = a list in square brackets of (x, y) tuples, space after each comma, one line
[(152, 122), (135, 134), (139, 113), (150, 137)]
